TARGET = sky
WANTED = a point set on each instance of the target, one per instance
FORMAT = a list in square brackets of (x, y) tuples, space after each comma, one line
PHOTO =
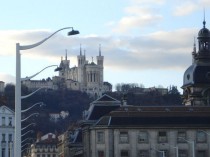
[(147, 42)]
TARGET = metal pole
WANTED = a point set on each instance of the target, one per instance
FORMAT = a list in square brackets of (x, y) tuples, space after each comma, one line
[(193, 149), (177, 151), (17, 146)]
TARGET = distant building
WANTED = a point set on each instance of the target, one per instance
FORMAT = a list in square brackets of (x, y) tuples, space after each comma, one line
[(45, 146), (87, 77), (7, 131)]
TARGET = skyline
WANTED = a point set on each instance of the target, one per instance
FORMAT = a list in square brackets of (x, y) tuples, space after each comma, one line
[(143, 41)]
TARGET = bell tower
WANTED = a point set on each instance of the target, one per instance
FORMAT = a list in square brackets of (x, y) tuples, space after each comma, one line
[(196, 82), (100, 63)]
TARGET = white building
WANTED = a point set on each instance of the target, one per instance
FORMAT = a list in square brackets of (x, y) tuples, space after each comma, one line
[(7, 131), (87, 76)]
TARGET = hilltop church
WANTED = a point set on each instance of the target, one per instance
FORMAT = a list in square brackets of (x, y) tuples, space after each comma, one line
[(86, 77)]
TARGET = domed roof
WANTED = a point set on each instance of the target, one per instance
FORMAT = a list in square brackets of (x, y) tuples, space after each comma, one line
[(204, 32), (197, 74)]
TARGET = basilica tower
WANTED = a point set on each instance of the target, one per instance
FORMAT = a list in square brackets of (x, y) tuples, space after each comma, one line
[(196, 84), (81, 64), (100, 63)]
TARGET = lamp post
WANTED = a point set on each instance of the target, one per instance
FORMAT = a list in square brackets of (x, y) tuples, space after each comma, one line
[(193, 145), (17, 149), (160, 151)]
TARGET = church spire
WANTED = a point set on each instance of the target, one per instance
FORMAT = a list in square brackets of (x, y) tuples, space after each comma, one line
[(80, 49), (194, 46), (99, 49), (66, 55)]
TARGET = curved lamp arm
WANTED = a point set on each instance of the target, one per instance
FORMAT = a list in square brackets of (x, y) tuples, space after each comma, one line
[(26, 96), (39, 103), (26, 140), (34, 124), (25, 145), (26, 47), (33, 114), (30, 77), (30, 131)]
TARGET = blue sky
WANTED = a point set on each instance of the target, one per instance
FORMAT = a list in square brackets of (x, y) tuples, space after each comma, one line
[(143, 41)]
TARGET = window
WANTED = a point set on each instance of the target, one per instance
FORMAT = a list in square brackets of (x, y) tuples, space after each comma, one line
[(10, 137), (183, 153), (3, 152), (143, 137), (43, 155), (100, 153), (3, 121), (48, 155), (38, 155), (201, 153), (10, 121), (123, 137), (160, 153), (162, 136), (100, 137), (124, 153), (181, 135), (143, 153), (200, 136), (3, 137)]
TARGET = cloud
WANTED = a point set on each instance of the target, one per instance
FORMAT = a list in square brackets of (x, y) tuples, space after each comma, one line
[(137, 17), (185, 8), (157, 50), (7, 78)]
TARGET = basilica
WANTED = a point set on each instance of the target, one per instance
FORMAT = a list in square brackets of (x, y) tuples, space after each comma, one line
[(86, 77)]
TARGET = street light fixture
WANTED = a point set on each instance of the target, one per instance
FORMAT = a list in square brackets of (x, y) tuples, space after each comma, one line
[(30, 131), (33, 114), (34, 124), (17, 150), (39, 103), (26, 140)]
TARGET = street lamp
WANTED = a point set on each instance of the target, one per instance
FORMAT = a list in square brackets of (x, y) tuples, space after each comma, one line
[(26, 140), (30, 131), (34, 124), (33, 114), (192, 143), (39, 103), (17, 152)]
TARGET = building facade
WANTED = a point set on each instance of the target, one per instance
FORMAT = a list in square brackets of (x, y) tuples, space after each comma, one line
[(45, 146), (7, 131)]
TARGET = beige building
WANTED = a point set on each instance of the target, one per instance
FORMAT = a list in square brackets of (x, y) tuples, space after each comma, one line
[(45, 146)]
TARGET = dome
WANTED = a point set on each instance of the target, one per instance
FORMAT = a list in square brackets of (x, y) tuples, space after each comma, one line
[(204, 32), (197, 74)]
